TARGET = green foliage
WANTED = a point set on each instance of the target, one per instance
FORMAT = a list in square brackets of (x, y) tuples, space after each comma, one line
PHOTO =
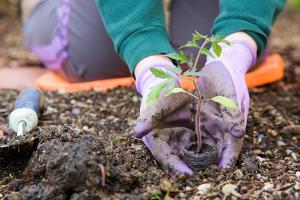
[(156, 195), (175, 90), (190, 44), (160, 73), (197, 38), (227, 102), (206, 52), (217, 49), (155, 93), (194, 72), (176, 70), (180, 57)]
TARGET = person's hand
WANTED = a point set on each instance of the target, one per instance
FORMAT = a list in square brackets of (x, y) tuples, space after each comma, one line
[(164, 125), (221, 126)]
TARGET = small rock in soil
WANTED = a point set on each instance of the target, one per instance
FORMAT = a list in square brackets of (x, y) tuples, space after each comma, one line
[(202, 189), (289, 152), (298, 174), (167, 186), (258, 176), (229, 189), (281, 143), (268, 187), (238, 174), (297, 186), (291, 130)]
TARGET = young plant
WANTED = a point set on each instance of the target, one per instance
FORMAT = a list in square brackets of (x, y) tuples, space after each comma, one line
[(201, 43)]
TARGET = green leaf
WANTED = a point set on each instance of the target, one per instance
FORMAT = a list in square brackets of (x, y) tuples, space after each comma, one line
[(156, 195), (175, 69), (206, 52), (194, 72), (226, 42), (175, 90), (219, 39), (171, 83), (180, 57), (175, 56), (217, 49), (159, 72), (197, 36), (155, 93), (190, 44), (227, 102)]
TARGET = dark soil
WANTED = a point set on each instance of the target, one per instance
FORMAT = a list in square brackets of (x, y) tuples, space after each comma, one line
[(83, 147)]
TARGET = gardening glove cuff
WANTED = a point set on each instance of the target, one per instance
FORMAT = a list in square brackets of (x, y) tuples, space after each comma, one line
[(238, 57)]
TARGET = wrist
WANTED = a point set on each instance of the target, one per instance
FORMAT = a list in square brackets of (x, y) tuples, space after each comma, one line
[(240, 56), (150, 60), (243, 37)]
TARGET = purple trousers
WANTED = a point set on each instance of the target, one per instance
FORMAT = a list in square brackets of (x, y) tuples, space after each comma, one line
[(68, 36)]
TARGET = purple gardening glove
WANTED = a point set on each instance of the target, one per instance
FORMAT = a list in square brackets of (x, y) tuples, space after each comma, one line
[(221, 126), (164, 126)]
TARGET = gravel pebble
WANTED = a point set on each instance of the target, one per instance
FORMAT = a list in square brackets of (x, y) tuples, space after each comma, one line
[(298, 174), (268, 187), (297, 186), (258, 176), (238, 174), (202, 189), (289, 152)]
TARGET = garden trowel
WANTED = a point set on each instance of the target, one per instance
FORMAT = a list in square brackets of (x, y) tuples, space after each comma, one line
[(23, 119)]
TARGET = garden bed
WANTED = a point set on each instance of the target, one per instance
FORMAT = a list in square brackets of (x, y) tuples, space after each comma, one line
[(85, 148)]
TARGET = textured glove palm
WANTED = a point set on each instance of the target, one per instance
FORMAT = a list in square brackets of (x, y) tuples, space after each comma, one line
[(221, 126)]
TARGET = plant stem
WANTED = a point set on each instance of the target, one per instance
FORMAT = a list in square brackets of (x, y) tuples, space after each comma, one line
[(197, 117), (198, 128), (199, 53), (191, 95)]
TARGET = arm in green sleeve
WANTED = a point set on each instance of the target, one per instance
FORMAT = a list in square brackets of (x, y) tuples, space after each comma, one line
[(254, 17), (136, 27)]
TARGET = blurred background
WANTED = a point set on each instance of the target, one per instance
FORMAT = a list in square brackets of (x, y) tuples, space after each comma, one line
[(285, 39), (12, 51)]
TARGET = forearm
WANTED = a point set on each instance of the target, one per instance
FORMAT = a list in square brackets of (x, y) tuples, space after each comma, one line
[(137, 28), (253, 17)]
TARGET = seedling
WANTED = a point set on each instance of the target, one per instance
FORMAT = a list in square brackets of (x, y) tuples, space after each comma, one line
[(156, 195), (173, 73)]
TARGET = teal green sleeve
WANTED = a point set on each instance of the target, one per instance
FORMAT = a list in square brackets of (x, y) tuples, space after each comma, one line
[(254, 17), (136, 27)]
